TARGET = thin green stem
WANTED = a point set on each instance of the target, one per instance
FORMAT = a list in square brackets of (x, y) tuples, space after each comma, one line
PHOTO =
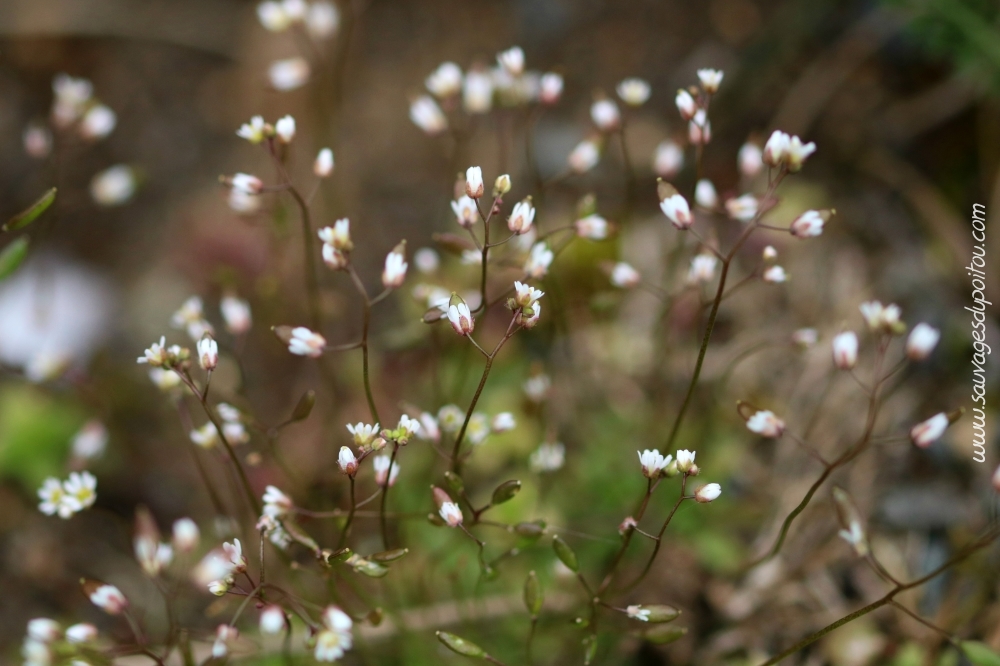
[(385, 496)]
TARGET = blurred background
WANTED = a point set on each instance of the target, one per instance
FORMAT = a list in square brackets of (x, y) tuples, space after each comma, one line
[(901, 100)]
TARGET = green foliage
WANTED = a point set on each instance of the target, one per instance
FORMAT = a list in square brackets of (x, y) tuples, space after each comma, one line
[(980, 654), (33, 212), (35, 433)]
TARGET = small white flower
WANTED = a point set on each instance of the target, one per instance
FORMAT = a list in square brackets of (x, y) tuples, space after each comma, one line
[(477, 92), (246, 183), (805, 337), (429, 428), (445, 81), (206, 436), (637, 613), (395, 269), (676, 208), (624, 276), (407, 428), (550, 88), (451, 514), (474, 187), (339, 235), (512, 60), (685, 460), (743, 208), (51, 493), (426, 260), (347, 461), (776, 148), (381, 466), (702, 269), (228, 413), (363, 433), (80, 491), (81, 633), (593, 227), (653, 462), (90, 441), (881, 318), (923, 338), (273, 16), (71, 97), (750, 159), (323, 166), (478, 429), (43, 629), (242, 202), (584, 156), (461, 318), (503, 422), (539, 261), (254, 131), (336, 638), (37, 141), (856, 537), (537, 387), (797, 152), (208, 353), (272, 620), (322, 20), (113, 186), (710, 80), (288, 74), (633, 91), (522, 217), (109, 599), (705, 194), (465, 211), (427, 115), (668, 159), (766, 424), (708, 493), (236, 313), (185, 535), (845, 350), (306, 343), (224, 636), (98, 122), (234, 555), (285, 129), (276, 503), (685, 104), (450, 418), (927, 432), (548, 457), (807, 225), (775, 275), (605, 115), (525, 295), (235, 433)]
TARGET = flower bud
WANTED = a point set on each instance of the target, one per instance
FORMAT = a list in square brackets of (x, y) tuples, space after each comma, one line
[(208, 352), (395, 267), (676, 208), (922, 340), (708, 493), (323, 166), (347, 462), (550, 88), (106, 597), (685, 104), (502, 185), (427, 115), (845, 350), (284, 129), (272, 620), (605, 115), (766, 424), (459, 315), (624, 276), (474, 182), (927, 432)]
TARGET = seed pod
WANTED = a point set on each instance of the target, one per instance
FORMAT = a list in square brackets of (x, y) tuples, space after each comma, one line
[(390, 555), (505, 492), (661, 613), (454, 482), (663, 634), (565, 554), (460, 645), (533, 594), (12, 256), (336, 556), (33, 212), (531, 530), (375, 617), (369, 568), (664, 189), (589, 649), (304, 406)]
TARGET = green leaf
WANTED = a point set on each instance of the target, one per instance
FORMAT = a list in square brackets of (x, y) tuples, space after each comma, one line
[(980, 654), (461, 646), (28, 216), (12, 256), (565, 553), (533, 594), (505, 492)]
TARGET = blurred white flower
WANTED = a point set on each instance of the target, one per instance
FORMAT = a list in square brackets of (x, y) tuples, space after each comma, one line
[(37, 141), (113, 186), (381, 466), (742, 208), (288, 74), (605, 114), (702, 269), (624, 276), (710, 80), (522, 217), (633, 91), (306, 343), (98, 122), (750, 159), (90, 441), (551, 86), (539, 261), (427, 115), (705, 194), (445, 81), (922, 341), (584, 156), (766, 424), (477, 91), (285, 129), (775, 275), (668, 159), (686, 105), (548, 457), (845, 350), (322, 20), (512, 60), (236, 313), (927, 432)]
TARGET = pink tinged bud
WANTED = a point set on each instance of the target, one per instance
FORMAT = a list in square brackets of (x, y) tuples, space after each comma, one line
[(624, 276), (109, 599), (668, 159), (81, 633), (461, 318), (605, 115), (323, 166), (708, 493), (247, 184), (926, 433), (551, 87), (208, 352), (627, 525), (427, 115), (584, 156), (776, 148), (445, 81), (512, 60), (529, 316), (705, 194), (347, 462), (743, 208), (474, 187), (845, 350), (395, 268), (750, 159), (285, 129), (185, 535), (677, 211), (37, 141), (272, 620), (593, 227), (289, 74), (769, 253), (922, 340), (766, 424), (451, 514), (685, 104), (700, 128), (522, 217), (304, 342), (633, 91), (775, 275), (808, 225)]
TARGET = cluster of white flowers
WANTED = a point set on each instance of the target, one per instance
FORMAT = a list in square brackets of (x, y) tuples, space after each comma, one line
[(337, 244), (39, 646), (335, 637), (68, 497), (320, 18)]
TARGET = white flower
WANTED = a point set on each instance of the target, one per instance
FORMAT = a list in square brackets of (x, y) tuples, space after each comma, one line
[(208, 353), (477, 92), (637, 613), (234, 555), (427, 115), (478, 429), (882, 318), (242, 202), (474, 187), (633, 91), (429, 428), (306, 343), (705, 194), (98, 122), (584, 156), (624, 276), (339, 235), (927, 432), (653, 462), (525, 295), (272, 620), (152, 556), (90, 441), (363, 433), (450, 418), (702, 268), (185, 535), (593, 227), (426, 260), (347, 461), (322, 20), (856, 537), (273, 16), (43, 629), (247, 183), (769, 253), (605, 115), (775, 275), (451, 514), (537, 387), (503, 422), (776, 148), (710, 80), (156, 354), (512, 60), (295, 9), (845, 350), (521, 217), (923, 338), (254, 131), (445, 81), (323, 166), (750, 159), (229, 413), (461, 318), (395, 269), (676, 208), (668, 159), (113, 186), (797, 152), (276, 503), (221, 586), (708, 493), (685, 104), (700, 129), (37, 141), (766, 424), (236, 313), (71, 97), (80, 491), (81, 633), (805, 337), (465, 211), (206, 436), (685, 460), (743, 208), (224, 635), (109, 599), (539, 260), (808, 224), (548, 457), (550, 88), (407, 428), (51, 493), (288, 74), (336, 638), (381, 466), (285, 129)]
